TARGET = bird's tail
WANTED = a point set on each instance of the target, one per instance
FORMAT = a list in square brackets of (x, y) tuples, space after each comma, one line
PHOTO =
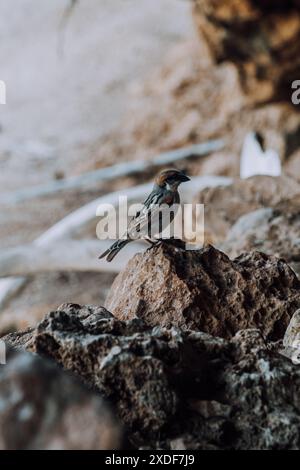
[(112, 251)]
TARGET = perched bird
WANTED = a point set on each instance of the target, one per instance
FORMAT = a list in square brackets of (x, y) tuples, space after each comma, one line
[(165, 191)]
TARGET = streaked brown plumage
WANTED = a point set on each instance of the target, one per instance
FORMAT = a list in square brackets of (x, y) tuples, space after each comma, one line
[(165, 191)]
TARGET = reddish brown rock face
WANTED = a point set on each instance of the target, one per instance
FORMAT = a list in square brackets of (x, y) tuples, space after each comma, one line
[(205, 291), (262, 38)]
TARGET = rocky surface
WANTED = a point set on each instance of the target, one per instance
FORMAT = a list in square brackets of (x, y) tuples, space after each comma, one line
[(292, 334), (270, 230), (224, 205), (262, 38), (43, 407), (205, 290), (177, 389), (117, 358), (291, 340)]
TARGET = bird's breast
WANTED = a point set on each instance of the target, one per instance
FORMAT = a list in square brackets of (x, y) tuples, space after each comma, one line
[(171, 198)]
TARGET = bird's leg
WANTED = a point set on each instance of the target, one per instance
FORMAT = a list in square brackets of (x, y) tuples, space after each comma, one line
[(157, 241), (169, 241), (153, 243)]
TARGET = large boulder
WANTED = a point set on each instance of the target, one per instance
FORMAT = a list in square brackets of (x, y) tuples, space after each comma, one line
[(43, 407), (262, 38), (176, 389), (204, 290)]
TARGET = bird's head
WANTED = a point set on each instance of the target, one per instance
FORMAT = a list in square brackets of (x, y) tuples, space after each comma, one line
[(171, 179)]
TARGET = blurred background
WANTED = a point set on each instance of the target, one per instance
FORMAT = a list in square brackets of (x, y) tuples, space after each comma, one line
[(92, 84)]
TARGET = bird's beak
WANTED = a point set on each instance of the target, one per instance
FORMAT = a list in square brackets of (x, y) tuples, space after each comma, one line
[(184, 178)]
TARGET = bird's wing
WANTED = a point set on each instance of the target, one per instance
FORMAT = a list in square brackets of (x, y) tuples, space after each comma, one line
[(139, 224)]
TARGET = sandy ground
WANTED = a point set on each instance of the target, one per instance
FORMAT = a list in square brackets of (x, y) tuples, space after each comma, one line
[(68, 88)]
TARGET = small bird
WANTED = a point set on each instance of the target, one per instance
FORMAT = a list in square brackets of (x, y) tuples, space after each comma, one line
[(165, 191)]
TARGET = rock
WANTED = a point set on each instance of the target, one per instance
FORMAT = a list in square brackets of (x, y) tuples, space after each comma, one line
[(43, 407), (271, 230), (260, 38), (291, 339), (292, 167), (205, 290), (114, 357), (224, 205), (292, 333), (179, 389)]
